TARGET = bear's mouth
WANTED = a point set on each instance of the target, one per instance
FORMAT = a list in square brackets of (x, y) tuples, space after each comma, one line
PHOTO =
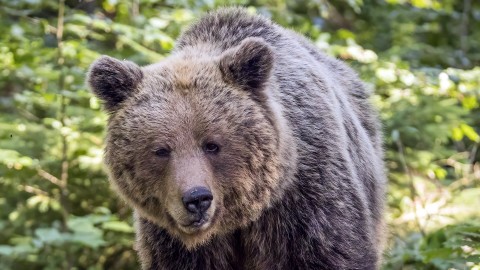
[(195, 225)]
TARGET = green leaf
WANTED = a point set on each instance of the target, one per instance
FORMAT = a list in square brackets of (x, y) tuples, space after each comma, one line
[(119, 226), (438, 253), (457, 134), (395, 135), (470, 132), (50, 236)]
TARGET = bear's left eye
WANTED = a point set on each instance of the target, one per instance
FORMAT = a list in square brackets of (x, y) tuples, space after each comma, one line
[(211, 148), (162, 152)]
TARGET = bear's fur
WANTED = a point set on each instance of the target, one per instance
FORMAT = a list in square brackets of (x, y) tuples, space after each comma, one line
[(282, 135)]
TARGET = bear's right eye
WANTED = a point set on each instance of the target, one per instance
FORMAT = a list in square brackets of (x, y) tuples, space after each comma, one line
[(162, 152)]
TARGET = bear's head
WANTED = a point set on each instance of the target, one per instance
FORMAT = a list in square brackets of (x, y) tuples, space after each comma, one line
[(195, 143)]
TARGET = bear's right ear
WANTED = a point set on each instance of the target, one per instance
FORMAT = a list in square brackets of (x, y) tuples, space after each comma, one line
[(113, 81)]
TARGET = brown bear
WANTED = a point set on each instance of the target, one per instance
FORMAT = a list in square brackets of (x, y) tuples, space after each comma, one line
[(247, 148)]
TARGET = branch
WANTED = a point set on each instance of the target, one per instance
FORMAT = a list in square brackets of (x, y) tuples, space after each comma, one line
[(49, 177), (34, 190), (473, 154), (413, 191), (63, 106), (62, 116), (464, 26)]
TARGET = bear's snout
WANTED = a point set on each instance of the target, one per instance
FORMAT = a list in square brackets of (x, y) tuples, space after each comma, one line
[(197, 200)]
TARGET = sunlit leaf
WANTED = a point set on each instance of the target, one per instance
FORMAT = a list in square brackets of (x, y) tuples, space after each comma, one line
[(119, 226), (470, 132)]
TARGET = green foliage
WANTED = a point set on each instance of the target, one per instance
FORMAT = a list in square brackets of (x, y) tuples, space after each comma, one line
[(452, 247), (420, 56), (48, 247)]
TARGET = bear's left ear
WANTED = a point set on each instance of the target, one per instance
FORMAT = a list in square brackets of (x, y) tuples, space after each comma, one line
[(248, 65), (113, 81)]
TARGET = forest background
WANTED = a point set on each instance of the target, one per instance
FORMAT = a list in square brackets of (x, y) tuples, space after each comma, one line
[(421, 57)]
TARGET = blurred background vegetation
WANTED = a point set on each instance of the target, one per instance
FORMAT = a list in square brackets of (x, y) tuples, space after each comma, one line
[(420, 56)]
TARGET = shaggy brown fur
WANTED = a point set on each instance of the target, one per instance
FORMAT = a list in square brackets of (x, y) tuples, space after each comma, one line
[(297, 179)]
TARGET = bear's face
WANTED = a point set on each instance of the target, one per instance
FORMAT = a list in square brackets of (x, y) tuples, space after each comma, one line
[(192, 144)]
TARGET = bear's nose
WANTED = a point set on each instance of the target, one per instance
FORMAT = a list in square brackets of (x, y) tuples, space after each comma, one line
[(197, 200)]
